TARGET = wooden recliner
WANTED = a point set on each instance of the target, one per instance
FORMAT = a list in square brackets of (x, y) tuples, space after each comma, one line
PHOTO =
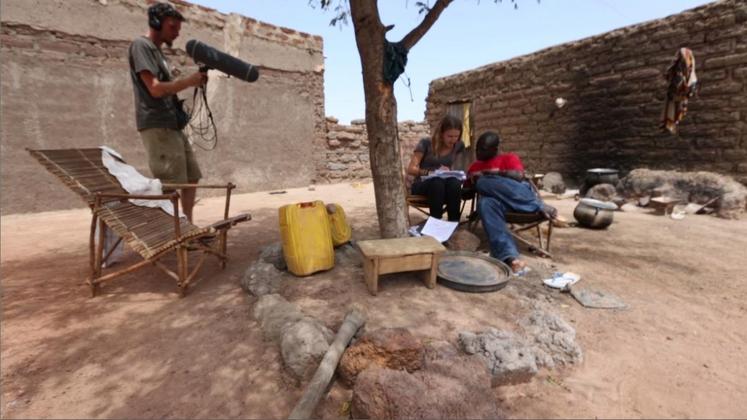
[(151, 232)]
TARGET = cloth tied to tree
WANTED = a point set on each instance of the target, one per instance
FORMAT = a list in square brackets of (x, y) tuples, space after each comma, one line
[(395, 60)]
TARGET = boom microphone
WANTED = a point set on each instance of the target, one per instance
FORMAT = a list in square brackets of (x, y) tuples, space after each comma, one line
[(218, 60)]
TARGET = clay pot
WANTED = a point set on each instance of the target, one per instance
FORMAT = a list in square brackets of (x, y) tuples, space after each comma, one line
[(594, 214), (599, 176)]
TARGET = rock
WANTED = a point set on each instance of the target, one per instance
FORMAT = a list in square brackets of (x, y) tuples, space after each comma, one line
[(553, 182), (261, 279), (275, 315), (729, 196), (454, 389), (509, 358), (347, 255), (303, 346), (602, 192), (469, 343), (463, 240), (303, 340), (273, 254), (393, 348), (546, 340), (553, 338)]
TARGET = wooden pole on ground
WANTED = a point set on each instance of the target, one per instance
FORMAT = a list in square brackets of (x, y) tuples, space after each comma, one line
[(354, 319)]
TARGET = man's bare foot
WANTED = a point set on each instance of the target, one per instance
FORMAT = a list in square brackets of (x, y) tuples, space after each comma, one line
[(518, 265)]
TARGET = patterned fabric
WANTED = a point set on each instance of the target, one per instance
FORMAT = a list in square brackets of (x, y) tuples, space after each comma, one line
[(682, 85)]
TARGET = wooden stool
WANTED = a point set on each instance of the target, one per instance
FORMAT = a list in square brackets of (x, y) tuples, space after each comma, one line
[(384, 256)]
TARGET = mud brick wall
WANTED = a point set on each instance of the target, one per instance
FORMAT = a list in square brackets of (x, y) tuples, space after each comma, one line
[(346, 152), (615, 90), (65, 83)]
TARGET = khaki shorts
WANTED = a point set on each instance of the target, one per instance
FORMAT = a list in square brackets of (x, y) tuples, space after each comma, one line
[(170, 156)]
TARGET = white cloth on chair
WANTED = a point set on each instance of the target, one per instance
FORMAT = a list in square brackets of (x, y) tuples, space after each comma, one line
[(134, 182)]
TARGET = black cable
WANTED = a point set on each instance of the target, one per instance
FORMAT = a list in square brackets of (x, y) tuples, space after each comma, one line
[(203, 132)]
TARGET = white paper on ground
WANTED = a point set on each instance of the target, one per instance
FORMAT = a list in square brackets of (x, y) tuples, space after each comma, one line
[(562, 280), (439, 229)]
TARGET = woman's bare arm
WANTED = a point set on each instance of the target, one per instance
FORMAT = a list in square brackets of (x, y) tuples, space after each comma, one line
[(413, 168)]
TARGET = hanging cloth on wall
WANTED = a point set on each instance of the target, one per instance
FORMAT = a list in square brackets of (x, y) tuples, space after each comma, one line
[(682, 85), (466, 129), (395, 60)]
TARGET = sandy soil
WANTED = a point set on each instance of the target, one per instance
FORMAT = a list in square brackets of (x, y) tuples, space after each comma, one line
[(138, 351)]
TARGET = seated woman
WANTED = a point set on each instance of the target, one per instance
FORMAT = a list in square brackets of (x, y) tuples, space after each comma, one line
[(431, 154), (499, 179)]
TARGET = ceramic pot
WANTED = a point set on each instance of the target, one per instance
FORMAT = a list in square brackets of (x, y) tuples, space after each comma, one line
[(599, 176), (594, 214)]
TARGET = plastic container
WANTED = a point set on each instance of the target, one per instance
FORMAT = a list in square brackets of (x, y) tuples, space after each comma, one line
[(305, 234), (338, 225)]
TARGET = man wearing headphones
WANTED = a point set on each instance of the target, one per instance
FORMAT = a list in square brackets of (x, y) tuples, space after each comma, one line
[(158, 112)]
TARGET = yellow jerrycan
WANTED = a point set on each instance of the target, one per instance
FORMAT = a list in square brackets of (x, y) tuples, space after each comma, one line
[(338, 225), (307, 244)]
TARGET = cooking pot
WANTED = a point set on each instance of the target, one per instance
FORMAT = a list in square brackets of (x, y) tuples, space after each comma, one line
[(599, 176), (594, 214)]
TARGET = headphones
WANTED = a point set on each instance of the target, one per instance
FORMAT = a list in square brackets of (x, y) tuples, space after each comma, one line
[(158, 11)]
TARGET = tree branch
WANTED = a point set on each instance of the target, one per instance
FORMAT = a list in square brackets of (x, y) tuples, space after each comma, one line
[(414, 36)]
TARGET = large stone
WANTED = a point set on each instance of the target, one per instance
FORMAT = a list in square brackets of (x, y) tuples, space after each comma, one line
[(554, 339), (602, 192), (303, 340), (553, 182), (303, 346), (261, 278), (450, 386), (546, 340), (726, 195), (273, 254), (509, 358), (347, 255), (275, 315), (393, 348), (463, 240)]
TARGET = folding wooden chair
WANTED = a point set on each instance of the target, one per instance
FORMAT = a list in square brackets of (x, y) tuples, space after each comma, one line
[(420, 203), (151, 232), (520, 222)]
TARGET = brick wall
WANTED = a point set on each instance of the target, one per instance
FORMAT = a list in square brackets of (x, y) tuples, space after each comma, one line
[(346, 155), (615, 91), (65, 83)]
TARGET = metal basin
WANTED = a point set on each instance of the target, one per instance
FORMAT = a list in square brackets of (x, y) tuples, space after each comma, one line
[(472, 272)]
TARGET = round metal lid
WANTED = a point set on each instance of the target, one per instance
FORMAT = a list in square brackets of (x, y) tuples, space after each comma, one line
[(604, 205), (602, 171), (472, 272)]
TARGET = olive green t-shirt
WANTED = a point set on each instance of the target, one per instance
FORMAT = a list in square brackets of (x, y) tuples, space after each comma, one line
[(151, 112)]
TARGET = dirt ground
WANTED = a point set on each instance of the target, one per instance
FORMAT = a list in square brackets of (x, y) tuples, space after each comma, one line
[(139, 351)]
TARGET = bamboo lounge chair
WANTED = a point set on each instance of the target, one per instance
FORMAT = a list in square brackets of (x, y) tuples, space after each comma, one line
[(151, 232)]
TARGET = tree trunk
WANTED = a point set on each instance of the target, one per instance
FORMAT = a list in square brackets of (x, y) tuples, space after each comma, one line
[(381, 121)]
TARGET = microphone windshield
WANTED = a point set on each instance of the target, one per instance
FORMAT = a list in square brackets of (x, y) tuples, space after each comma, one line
[(218, 60)]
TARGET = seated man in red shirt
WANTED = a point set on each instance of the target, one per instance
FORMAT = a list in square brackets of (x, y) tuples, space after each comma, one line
[(499, 179)]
